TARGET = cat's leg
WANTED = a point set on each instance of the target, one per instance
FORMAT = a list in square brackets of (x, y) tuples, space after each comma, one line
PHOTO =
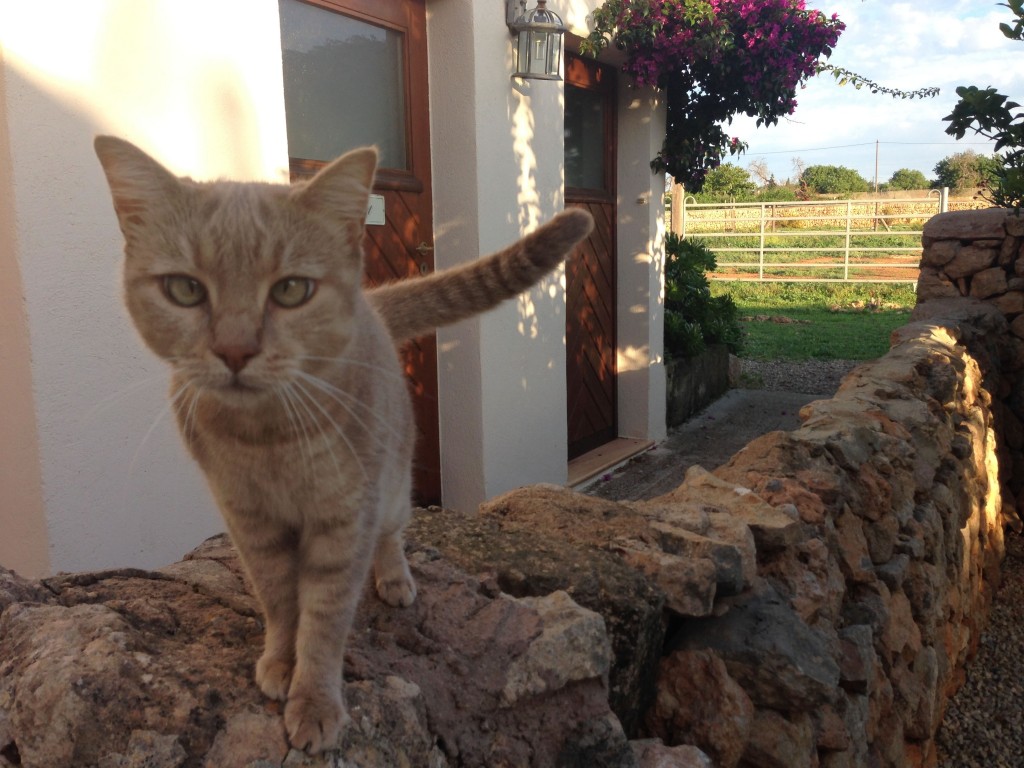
[(334, 565), (392, 578), (269, 553)]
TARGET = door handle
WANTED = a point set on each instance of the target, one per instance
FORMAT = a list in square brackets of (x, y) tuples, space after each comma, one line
[(423, 249)]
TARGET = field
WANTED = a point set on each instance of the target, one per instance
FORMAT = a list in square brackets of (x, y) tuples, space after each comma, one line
[(850, 240), (828, 321)]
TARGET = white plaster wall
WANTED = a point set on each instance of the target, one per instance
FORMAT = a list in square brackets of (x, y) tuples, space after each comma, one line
[(497, 153), (641, 262), (197, 83)]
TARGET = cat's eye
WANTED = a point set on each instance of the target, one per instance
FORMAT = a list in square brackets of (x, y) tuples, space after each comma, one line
[(184, 291), (292, 291)]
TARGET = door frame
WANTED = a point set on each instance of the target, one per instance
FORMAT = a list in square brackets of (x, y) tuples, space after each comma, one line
[(399, 187), (591, 75)]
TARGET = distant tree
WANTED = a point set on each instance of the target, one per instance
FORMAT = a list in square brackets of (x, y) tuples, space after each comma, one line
[(833, 180), (760, 171), (728, 181), (966, 170), (798, 168), (905, 178)]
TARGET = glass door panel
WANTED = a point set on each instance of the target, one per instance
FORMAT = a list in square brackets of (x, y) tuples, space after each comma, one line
[(343, 85), (584, 138)]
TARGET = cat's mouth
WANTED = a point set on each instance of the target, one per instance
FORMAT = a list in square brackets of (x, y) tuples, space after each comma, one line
[(238, 386)]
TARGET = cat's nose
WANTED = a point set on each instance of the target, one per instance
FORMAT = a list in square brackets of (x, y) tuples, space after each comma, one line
[(236, 357)]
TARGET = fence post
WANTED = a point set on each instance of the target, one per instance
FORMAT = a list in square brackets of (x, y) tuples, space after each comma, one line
[(678, 217), (944, 200), (760, 249), (846, 251)]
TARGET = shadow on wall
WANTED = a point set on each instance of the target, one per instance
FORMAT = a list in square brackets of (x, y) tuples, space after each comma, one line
[(109, 484)]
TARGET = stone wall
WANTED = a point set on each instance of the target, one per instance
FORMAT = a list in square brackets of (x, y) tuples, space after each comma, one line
[(980, 254), (695, 382), (812, 602)]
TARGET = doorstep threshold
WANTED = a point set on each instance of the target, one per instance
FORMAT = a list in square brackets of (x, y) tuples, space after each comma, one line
[(583, 469)]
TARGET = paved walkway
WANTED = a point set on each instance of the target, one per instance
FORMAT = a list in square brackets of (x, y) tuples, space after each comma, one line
[(709, 439)]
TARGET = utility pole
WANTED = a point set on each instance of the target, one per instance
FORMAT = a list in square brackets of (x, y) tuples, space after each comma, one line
[(874, 222), (876, 167)]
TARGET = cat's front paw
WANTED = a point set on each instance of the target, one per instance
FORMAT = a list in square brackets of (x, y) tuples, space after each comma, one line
[(273, 676), (315, 721), (399, 591)]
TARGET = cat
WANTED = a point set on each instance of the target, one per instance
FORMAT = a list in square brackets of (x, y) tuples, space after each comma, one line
[(288, 390)]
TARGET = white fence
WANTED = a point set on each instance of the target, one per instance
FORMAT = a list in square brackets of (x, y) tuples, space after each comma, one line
[(873, 240)]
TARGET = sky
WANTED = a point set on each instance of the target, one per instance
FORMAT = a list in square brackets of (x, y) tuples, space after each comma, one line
[(904, 45)]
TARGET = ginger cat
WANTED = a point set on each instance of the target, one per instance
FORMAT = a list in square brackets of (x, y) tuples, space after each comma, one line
[(288, 390)]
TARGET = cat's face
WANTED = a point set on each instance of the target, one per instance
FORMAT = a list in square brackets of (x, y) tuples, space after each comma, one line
[(239, 285)]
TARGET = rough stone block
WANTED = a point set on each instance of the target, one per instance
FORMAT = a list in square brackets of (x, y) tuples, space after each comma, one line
[(532, 562), (967, 225), (1014, 224), (932, 284), (778, 660), (988, 282), (780, 741), (772, 527), (572, 646), (1010, 303), (857, 659), (970, 260), (699, 703), (939, 253), (651, 753)]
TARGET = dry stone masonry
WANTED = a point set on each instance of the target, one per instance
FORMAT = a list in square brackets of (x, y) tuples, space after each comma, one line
[(811, 603)]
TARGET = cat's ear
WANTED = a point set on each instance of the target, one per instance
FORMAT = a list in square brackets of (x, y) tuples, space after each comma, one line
[(341, 190), (138, 183)]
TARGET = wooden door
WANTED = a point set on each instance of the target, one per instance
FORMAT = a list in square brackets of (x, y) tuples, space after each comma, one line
[(355, 73), (590, 272)]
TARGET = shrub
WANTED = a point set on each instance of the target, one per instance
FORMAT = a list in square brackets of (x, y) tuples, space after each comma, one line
[(965, 170), (777, 194), (727, 182), (833, 179), (693, 317), (905, 178)]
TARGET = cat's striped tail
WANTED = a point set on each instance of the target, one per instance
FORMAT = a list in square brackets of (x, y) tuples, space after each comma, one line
[(417, 306)]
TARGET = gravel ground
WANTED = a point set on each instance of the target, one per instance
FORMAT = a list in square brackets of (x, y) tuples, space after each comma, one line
[(812, 377), (984, 723)]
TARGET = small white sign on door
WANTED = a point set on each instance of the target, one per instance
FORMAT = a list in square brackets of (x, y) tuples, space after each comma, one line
[(375, 211)]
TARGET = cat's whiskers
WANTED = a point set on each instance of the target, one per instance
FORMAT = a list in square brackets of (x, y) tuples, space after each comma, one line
[(307, 396), (115, 397), (172, 402), (189, 418), (379, 369), (287, 397), (336, 394)]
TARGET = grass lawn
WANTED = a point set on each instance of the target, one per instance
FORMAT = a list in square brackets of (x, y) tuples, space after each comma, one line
[(830, 321)]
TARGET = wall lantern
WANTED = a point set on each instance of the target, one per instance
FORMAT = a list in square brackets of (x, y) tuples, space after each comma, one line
[(539, 40)]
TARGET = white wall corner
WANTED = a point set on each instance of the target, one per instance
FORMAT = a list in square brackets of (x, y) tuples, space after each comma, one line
[(24, 544), (640, 279), (497, 154)]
